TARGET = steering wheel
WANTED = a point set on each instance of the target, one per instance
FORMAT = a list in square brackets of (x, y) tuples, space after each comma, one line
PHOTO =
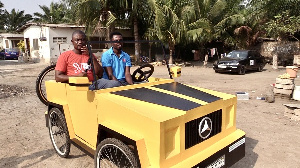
[(140, 74)]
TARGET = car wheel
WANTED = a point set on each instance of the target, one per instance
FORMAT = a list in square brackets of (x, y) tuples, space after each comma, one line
[(242, 70), (260, 68), (59, 133), (216, 71), (112, 152)]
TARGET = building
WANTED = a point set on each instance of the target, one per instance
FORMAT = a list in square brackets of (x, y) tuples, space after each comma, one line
[(45, 42), (9, 40)]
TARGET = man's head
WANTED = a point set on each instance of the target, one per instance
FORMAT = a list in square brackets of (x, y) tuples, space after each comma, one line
[(117, 37), (78, 39)]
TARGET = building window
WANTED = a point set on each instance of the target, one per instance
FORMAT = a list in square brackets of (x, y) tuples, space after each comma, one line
[(59, 39), (35, 44)]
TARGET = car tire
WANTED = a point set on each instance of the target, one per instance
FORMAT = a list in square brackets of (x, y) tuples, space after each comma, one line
[(260, 68), (106, 154), (242, 70), (216, 71), (58, 131)]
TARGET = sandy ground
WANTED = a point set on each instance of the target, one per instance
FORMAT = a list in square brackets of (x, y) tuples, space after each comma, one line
[(272, 140)]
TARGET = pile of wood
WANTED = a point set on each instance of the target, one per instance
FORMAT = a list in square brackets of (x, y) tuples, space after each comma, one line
[(284, 86)]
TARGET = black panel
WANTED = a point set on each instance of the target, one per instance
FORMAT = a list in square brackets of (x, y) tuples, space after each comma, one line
[(230, 157), (191, 129), (188, 91), (156, 97)]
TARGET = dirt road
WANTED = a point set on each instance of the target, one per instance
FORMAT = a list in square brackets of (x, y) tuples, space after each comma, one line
[(272, 139)]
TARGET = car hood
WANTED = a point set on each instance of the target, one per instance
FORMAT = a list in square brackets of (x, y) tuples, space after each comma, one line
[(164, 101), (229, 60)]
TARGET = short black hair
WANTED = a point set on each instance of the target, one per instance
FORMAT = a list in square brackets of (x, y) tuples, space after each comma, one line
[(78, 32), (114, 33)]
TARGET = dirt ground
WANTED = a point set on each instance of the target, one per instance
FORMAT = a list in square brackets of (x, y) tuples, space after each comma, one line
[(272, 140)]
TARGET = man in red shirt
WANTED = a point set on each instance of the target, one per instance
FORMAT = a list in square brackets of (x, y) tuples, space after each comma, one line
[(75, 63)]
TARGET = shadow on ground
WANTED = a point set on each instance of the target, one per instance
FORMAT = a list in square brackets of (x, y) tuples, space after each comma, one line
[(250, 157)]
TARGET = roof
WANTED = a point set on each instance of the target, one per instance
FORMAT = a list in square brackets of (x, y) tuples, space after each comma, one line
[(11, 35), (48, 25)]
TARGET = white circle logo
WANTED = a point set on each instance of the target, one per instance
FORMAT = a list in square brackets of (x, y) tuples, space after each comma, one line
[(205, 127)]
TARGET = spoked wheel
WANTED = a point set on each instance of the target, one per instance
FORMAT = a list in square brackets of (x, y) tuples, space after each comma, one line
[(58, 131), (47, 74), (113, 153)]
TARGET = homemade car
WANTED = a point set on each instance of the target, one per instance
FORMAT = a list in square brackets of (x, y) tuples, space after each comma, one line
[(155, 123), (240, 61)]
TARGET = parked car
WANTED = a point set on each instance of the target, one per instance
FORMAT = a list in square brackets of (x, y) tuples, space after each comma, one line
[(240, 61), (9, 53), (2, 55)]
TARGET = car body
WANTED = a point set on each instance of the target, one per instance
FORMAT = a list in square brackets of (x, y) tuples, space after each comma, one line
[(240, 61), (168, 124), (2, 55), (159, 123), (9, 53)]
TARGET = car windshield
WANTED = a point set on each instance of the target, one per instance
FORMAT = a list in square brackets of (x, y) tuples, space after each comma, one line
[(12, 50), (237, 54)]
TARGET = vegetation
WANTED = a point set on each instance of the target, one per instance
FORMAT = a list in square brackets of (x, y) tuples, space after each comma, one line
[(178, 23), (21, 45)]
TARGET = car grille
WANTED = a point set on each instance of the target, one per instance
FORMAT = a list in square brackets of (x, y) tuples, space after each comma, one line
[(191, 129)]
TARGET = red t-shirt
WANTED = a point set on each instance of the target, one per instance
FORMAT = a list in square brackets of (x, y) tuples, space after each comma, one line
[(71, 63)]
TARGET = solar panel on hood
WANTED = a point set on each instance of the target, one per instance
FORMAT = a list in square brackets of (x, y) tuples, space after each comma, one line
[(160, 98), (188, 91)]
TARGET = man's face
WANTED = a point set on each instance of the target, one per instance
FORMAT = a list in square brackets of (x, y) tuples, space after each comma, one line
[(78, 41), (118, 42)]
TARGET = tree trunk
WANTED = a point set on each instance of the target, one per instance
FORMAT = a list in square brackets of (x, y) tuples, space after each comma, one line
[(149, 52), (137, 46), (172, 49), (275, 61)]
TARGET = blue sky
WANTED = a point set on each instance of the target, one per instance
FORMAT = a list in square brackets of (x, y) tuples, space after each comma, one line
[(29, 6)]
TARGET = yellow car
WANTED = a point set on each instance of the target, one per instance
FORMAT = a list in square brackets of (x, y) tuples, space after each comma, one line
[(159, 123)]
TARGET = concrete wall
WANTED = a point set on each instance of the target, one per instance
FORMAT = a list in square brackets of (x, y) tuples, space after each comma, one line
[(48, 51), (285, 50)]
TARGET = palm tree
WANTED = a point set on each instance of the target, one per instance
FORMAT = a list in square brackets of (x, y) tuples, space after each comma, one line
[(279, 19), (15, 19), (1, 16), (53, 14), (169, 26)]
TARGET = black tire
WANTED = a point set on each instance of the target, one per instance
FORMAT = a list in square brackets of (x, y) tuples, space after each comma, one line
[(242, 70), (260, 68), (58, 131), (46, 74), (216, 71), (112, 152)]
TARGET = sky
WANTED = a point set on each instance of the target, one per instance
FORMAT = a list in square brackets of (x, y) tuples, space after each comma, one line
[(29, 6)]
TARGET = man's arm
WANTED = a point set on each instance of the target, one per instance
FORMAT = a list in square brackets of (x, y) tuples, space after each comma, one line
[(109, 73), (98, 68), (128, 75), (62, 77)]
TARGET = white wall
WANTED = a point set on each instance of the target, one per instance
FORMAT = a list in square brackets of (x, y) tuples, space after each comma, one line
[(48, 51), (56, 48), (33, 32)]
